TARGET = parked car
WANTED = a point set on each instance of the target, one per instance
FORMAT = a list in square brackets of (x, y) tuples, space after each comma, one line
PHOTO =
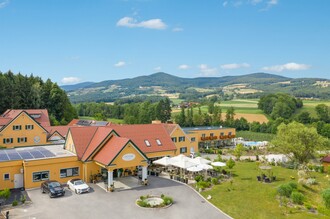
[(78, 186), (53, 188)]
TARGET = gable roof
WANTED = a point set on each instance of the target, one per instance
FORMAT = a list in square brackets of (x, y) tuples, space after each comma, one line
[(100, 136), (62, 130), (326, 159), (81, 137), (110, 150), (169, 127), (150, 132), (39, 115)]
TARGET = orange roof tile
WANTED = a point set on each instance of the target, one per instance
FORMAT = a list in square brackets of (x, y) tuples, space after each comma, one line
[(39, 115), (110, 150), (150, 132), (326, 159), (4, 121), (169, 127), (100, 135), (73, 122), (63, 130), (82, 136)]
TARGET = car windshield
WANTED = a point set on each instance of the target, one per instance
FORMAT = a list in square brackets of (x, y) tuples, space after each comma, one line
[(78, 182), (54, 184)]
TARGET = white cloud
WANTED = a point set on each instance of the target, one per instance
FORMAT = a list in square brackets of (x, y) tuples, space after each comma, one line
[(287, 67), (225, 3), (272, 2), (158, 68), (207, 71), (120, 64), (235, 66), (4, 3), (70, 80), (177, 29), (151, 24), (184, 67)]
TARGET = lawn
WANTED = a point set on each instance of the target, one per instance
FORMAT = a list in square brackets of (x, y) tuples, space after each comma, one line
[(248, 198)]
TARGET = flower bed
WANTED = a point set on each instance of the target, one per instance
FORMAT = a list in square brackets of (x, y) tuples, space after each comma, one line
[(149, 201)]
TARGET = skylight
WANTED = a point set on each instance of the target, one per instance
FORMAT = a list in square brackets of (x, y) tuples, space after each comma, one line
[(147, 143), (158, 142)]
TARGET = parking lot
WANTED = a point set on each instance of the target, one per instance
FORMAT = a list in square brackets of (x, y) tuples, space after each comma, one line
[(120, 204)]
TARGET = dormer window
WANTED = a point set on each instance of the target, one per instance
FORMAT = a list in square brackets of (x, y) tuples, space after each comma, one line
[(147, 143), (158, 142)]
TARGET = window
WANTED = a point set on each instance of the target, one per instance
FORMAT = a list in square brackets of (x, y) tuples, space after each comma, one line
[(221, 134), (40, 176), (193, 139), (8, 140), (147, 143), (22, 140), (229, 133), (182, 139), (174, 139), (17, 127), (203, 135), (69, 172), (158, 142), (183, 150), (211, 134), (6, 176), (29, 127)]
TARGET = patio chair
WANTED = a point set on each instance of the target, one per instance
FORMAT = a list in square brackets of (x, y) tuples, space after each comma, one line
[(259, 178), (267, 180)]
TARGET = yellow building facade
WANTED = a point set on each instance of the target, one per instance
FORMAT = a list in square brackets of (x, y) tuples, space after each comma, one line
[(211, 137), (21, 131)]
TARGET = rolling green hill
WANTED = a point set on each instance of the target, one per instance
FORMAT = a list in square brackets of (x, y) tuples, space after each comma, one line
[(163, 84)]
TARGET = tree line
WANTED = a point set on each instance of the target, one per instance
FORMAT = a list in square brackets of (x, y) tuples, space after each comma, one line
[(131, 113), (29, 92)]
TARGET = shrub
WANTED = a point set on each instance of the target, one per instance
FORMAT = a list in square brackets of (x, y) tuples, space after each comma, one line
[(199, 178), (143, 203), (308, 206), (326, 198), (203, 184), (23, 198), (167, 200), (5, 194), (297, 197), (208, 179), (215, 181), (293, 185), (285, 190), (162, 195), (15, 202)]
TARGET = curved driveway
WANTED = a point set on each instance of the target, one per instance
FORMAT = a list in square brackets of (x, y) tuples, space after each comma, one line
[(121, 204)]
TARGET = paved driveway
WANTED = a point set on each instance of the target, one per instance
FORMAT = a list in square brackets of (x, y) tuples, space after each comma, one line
[(99, 204)]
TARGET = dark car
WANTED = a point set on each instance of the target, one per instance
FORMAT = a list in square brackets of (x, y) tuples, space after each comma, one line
[(53, 188)]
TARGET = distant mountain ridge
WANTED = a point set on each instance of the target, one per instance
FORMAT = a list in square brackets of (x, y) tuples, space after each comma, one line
[(111, 90)]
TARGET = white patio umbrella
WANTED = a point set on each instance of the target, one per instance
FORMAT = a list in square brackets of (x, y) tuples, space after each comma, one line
[(164, 161), (200, 160), (181, 157), (184, 164), (195, 169), (218, 164), (205, 166)]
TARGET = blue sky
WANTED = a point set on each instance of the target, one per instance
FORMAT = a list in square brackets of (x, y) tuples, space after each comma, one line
[(94, 40)]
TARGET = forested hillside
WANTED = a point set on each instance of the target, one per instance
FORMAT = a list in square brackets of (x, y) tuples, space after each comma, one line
[(29, 92), (192, 89)]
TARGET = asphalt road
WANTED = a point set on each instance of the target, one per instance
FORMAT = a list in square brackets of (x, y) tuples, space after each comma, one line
[(99, 204)]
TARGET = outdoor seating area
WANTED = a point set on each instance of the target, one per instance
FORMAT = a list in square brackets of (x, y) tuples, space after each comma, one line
[(185, 169)]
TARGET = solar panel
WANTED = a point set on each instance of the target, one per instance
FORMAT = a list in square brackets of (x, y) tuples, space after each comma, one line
[(14, 156), (2, 152), (48, 154), (36, 154), (3, 157), (25, 155)]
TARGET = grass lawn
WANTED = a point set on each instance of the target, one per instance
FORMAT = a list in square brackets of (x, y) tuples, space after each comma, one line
[(248, 198)]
